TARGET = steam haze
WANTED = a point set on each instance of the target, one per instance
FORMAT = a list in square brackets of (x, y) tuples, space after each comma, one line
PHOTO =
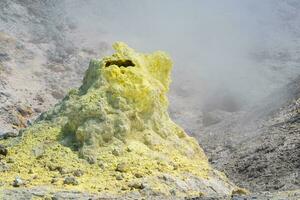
[(218, 47)]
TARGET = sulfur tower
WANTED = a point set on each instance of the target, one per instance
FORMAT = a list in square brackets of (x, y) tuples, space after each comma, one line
[(114, 135)]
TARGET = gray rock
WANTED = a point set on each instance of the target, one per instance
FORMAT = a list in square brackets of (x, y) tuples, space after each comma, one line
[(24, 110), (5, 135), (116, 152), (119, 177), (18, 182), (38, 151), (70, 181), (138, 175), (10, 160), (4, 57), (54, 180), (3, 150), (121, 167), (78, 173), (136, 185), (91, 160)]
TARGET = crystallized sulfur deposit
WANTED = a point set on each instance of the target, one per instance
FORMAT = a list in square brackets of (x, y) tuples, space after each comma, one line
[(113, 135)]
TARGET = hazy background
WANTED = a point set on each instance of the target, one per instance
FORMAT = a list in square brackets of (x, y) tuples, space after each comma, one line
[(217, 46), (223, 51)]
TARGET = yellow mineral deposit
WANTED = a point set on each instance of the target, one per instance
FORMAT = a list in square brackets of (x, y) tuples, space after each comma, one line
[(113, 135)]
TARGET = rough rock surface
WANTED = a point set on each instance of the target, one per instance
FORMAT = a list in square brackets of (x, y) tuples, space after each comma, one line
[(259, 147), (42, 193), (40, 59)]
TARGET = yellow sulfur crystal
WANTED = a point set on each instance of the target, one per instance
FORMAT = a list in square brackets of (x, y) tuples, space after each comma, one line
[(115, 130)]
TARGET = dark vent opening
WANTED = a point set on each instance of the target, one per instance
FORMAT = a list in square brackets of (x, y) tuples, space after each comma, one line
[(120, 63)]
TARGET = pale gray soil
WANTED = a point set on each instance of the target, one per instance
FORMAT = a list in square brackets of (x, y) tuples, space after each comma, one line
[(41, 193)]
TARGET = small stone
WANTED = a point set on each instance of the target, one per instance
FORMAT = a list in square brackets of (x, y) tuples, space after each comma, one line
[(70, 181), (52, 167), (18, 182), (58, 94), (129, 149), (40, 99), (91, 160), (240, 191), (173, 192), (20, 133), (24, 110), (175, 167), (116, 152), (38, 151), (3, 150), (29, 122), (54, 180), (124, 188), (10, 134), (10, 160), (121, 167), (78, 173), (136, 185), (62, 170), (4, 56), (37, 110), (138, 175), (119, 177), (101, 165)]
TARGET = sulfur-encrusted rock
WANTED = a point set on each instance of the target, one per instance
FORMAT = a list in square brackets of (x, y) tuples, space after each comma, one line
[(117, 119)]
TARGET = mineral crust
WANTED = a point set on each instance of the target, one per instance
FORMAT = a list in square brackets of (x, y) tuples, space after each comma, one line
[(114, 135)]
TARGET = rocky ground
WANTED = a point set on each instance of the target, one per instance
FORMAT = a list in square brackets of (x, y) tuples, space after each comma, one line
[(268, 152), (258, 147), (39, 60), (42, 193)]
